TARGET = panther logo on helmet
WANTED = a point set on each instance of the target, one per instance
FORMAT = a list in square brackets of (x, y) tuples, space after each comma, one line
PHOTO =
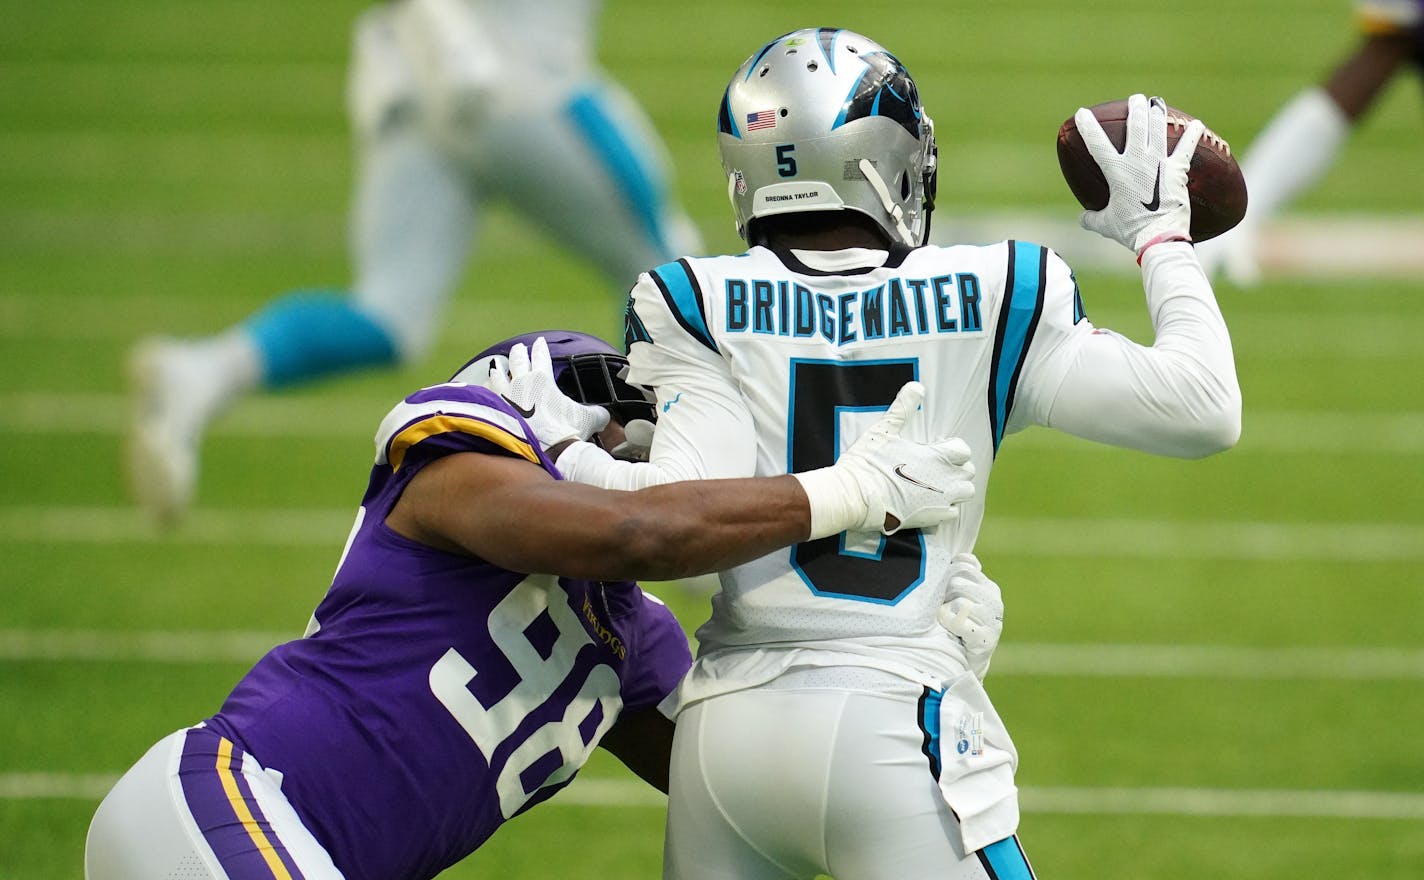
[(885, 90)]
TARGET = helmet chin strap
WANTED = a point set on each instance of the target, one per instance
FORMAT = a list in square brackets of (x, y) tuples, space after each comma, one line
[(895, 211)]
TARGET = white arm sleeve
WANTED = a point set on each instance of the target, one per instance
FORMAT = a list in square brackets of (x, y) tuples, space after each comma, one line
[(1178, 397), (704, 428)]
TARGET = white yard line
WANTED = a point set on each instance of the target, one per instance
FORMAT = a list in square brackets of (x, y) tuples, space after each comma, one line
[(1348, 246), (1209, 661), (1297, 246), (1220, 802), (149, 646), (1241, 540), (1006, 536), (1374, 331), (326, 416), (1314, 663), (1213, 802), (256, 527)]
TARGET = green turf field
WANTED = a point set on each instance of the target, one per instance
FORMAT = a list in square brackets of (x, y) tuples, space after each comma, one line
[(1212, 669)]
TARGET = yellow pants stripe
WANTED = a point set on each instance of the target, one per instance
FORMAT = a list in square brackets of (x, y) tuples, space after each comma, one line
[(244, 815)]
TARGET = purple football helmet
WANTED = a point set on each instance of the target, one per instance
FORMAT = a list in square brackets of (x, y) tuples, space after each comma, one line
[(586, 369)]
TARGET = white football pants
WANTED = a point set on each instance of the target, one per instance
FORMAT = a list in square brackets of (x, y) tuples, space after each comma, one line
[(780, 782), (195, 808)]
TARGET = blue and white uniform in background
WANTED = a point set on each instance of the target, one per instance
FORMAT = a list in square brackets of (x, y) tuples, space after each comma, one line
[(434, 697), (766, 363), (456, 103)]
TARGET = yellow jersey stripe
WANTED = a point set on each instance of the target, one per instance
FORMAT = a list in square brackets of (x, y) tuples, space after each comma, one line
[(244, 815), (442, 424)]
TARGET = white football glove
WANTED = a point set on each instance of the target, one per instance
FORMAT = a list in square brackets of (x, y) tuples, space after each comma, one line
[(973, 612), (885, 475), (1147, 187), (530, 388)]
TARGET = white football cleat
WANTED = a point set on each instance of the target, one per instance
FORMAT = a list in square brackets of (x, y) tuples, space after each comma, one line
[(165, 428)]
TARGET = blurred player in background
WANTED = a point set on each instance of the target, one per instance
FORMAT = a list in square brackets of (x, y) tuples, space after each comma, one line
[(481, 635), (453, 103), (828, 724), (1302, 141)]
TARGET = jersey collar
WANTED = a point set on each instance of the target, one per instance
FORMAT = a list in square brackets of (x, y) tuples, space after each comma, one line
[(850, 261)]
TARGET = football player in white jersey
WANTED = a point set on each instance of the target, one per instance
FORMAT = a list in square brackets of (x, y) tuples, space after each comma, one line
[(829, 724), (453, 103), (1301, 142)]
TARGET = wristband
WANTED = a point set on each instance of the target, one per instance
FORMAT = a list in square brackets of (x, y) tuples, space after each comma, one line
[(568, 459), (836, 501), (1159, 239)]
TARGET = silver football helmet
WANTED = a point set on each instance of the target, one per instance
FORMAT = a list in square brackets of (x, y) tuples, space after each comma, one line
[(824, 119)]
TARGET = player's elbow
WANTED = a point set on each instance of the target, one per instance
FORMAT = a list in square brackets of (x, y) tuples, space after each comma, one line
[(1214, 429), (1216, 435), (1206, 410)]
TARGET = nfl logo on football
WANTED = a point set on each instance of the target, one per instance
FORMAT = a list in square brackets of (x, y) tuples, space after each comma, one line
[(739, 182)]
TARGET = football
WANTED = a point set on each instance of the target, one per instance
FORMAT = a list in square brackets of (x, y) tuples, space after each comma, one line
[(1215, 187)]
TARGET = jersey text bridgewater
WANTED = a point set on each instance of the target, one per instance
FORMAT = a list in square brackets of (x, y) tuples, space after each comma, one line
[(900, 307)]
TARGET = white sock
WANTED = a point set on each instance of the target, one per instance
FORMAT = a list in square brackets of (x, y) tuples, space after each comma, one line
[(1296, 149), (1291, 153), (215, 371)]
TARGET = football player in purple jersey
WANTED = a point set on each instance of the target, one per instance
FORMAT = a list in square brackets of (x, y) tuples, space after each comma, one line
[(482, 633)]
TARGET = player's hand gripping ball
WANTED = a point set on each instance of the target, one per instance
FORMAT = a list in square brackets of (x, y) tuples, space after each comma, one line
[(1215, 187)]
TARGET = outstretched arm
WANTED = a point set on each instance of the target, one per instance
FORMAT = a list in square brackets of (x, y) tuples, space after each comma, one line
[(1179, 396), (513, 513)]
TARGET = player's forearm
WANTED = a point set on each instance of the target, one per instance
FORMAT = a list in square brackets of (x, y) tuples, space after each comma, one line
[(588, 464), (512, 514), (695, 527), (1190, 329), (1179, 397), (660, 533)]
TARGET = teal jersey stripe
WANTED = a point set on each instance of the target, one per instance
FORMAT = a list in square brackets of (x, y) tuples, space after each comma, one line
[(1006, 860), (675, 280), (1017, 320)]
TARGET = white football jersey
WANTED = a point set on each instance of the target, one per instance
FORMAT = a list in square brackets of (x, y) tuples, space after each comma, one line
[(769, 362)]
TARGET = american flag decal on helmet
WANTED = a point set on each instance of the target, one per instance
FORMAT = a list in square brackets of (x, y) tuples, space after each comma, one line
[(761, 119)]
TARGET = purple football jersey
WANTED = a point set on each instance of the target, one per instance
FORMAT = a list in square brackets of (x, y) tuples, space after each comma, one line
[(438, 694)]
